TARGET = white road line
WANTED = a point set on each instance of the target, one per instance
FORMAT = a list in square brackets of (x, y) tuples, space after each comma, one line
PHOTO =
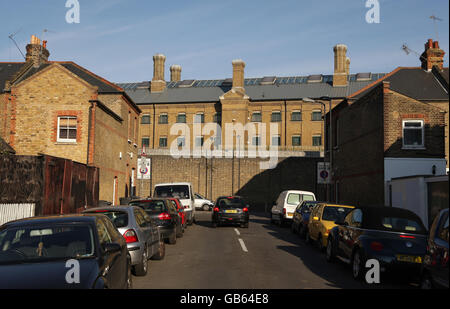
[(237, 232), (244, 248)]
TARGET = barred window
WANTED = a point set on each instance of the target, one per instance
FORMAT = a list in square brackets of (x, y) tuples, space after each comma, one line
[(276, 117), (163, 142), (296, 140), (316, 116), (317, 140), (145, 142), (256, 117), (163, 119), (296, 116), (67, 129), (218, 117), (181, 118), (145, 119)]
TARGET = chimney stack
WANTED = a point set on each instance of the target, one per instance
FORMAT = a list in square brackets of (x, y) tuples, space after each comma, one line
[(175, 73), (158, 83), (238, 74), (36, 52), (341, 66), (432, 56)]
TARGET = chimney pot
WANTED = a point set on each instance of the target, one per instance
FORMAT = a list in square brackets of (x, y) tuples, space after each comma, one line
[(341, 65), (36, 52), (238, 73), (175, 73), (432, 56), (158, 83)]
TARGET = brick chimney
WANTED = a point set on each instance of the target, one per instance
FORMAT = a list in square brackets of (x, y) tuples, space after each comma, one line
[(432, 56), (341, 66), (238, 74), (36, 52), (158, 83), (175, 73)]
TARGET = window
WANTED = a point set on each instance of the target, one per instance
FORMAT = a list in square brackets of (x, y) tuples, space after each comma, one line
[(293, 199), (356, 220), (163, 142), (276, 117), (199, 140), (145, 119), (413, 134), (317, 140), (443, 228), (296, 140), (163, 119), (181, 118), (199, 118), (316, 115), (256, 141), (296, 116), (276, 140), (217, 117), (67, 129), (181, 141), (145, 142), (256, 117)]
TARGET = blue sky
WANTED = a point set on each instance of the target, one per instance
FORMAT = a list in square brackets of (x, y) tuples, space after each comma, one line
[(117, 38)]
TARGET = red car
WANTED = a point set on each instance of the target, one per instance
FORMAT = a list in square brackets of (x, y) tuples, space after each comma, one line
[(180, 210)]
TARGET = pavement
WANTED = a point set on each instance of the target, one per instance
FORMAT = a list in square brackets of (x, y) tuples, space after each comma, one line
[(264, 256)]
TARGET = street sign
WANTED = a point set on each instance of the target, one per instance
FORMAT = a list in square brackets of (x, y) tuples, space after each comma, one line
[(143, 168), (323, 173)]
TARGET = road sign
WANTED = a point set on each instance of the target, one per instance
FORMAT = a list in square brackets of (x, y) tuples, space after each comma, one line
[(323, 173), (143, 168)]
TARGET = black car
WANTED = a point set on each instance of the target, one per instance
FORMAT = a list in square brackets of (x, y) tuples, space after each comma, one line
[(435, 265), (300, 219), (57, 252), (395, 237), (230, 209), (165, 215)]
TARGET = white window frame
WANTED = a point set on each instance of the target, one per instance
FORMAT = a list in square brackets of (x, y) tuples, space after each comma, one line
[(422, 122), (66, 140)]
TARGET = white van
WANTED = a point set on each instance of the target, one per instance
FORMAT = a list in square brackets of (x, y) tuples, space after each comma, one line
[(181, 190), (286, 203)]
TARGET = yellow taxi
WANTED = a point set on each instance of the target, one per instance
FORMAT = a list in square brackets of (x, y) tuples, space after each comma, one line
[(321, 221)]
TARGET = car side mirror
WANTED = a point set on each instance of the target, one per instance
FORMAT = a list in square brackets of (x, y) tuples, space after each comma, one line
[(110, 248)]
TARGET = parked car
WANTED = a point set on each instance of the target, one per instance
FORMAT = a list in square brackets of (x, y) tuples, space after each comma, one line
[(434, 272), (230, 209), (395, 237), (301, 217), (287, 201), (202, 203), (181, 190), (34, 253), (140, 232), (322, 220), (181, 212), (165, 215)]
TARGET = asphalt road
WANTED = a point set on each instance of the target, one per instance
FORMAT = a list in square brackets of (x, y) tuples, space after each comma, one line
[(264, 256)]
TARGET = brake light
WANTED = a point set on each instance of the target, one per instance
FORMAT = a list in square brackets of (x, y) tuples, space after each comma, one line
[(230, 197), (216, 209), (376, 246), (407, 236), (284, 211), (130, 236), (245, 209), (164, 216), (101, 211)]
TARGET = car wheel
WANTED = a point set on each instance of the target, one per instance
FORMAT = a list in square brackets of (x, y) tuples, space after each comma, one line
[(205, 207), (330, 252), (357, 265), (425, 282), (173, 239), (161, 251), (141, 268)]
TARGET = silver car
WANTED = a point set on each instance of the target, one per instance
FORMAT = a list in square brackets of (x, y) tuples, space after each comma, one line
[(140, 232)]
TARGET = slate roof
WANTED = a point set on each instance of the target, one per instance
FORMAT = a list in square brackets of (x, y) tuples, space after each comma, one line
[(5, 147), (284, 88), (415, 83)]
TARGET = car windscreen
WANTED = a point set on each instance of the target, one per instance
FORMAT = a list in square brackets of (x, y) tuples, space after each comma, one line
[(176, 191), (334, 213), (46, 242), (153, 206), (119, 218), (230, 202)]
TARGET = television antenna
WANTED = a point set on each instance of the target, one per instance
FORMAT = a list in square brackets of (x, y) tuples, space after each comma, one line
[(434, 19), (11, 36)]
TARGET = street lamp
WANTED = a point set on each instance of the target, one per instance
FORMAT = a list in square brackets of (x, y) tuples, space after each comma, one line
[(330, 130)]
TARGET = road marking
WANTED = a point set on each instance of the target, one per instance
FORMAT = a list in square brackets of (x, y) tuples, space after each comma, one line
[(237, 232), (244, 248)]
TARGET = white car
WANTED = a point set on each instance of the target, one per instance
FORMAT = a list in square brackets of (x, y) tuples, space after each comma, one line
[(284, 207), (202, 203), (181, 190)]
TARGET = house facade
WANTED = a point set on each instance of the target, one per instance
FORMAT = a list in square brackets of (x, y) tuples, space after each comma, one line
[(63, 110)]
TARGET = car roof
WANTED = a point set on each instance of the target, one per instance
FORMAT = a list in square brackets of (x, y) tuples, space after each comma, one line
[(299, 191), (72, 218), (337, 205), (174, 184), (111, 208)]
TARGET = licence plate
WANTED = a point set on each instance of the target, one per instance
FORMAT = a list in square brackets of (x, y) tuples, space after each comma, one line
[(290, 214), (231, 211), (409, 258)]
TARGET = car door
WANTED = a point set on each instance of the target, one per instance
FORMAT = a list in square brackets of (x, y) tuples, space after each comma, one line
[(144, 228), (344, 235), (153, 238), (112, 268), (315, 222), (440, 254), (173, 214)]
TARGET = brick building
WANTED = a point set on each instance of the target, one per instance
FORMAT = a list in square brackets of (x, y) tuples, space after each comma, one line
[(63, 110), (394, 127)]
